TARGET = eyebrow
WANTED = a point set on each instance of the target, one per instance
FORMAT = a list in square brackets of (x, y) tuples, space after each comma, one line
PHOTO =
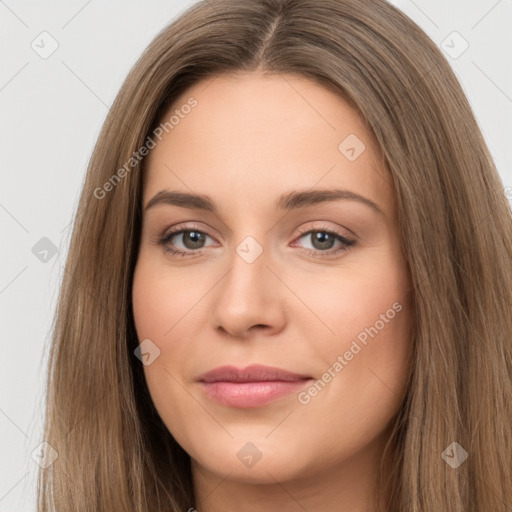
[(289, 201)]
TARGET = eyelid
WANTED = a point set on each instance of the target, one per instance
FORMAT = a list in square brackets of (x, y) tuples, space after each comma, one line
[(349, 234), (183, 226), (180, 228)]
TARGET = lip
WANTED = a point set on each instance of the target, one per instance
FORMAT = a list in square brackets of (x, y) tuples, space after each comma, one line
[(253, 386)]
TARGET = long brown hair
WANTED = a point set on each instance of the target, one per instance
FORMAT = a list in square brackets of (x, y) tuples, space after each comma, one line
[(456, 231)]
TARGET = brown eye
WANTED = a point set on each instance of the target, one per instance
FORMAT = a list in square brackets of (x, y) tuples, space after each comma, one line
[(192, 239), (185, 242), (324, 240)]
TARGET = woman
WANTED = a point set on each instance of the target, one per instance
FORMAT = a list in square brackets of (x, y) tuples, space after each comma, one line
[(205, 359)]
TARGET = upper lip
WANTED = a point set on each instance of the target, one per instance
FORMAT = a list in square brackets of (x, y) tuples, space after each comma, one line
[(252, 373)]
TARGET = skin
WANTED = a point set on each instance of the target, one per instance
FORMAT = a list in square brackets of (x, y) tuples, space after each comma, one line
[(250, 139)]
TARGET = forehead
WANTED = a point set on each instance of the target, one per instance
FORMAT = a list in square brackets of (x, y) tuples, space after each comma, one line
[(250, 136)]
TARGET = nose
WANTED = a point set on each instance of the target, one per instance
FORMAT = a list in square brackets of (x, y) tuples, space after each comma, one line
[(250, 299)]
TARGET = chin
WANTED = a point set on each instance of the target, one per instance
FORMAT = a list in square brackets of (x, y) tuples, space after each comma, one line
[(256, 462)]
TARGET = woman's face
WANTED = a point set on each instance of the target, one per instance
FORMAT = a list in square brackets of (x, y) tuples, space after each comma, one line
[(290, 258)]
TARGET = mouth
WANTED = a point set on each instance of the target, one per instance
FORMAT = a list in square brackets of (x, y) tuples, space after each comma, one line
[(253, 386)]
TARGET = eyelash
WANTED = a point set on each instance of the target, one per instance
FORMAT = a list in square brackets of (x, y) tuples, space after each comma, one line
[(346, 243)]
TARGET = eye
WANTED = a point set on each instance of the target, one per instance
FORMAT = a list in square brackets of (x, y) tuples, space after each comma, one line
[(323, 241), (192, 241)]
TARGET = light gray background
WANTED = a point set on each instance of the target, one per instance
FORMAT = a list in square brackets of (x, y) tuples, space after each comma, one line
[(52, 110)]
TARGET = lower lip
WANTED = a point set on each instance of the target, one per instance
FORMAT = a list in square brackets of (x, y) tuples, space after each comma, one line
[(251, 394)]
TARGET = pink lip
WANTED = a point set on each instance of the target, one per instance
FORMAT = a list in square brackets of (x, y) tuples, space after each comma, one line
[(253, 386)]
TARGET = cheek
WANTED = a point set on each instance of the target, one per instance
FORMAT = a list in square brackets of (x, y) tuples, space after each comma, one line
[(363, 316), (345, 302), (165, 299), (162, 309), (170, 307), (159, 317)]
